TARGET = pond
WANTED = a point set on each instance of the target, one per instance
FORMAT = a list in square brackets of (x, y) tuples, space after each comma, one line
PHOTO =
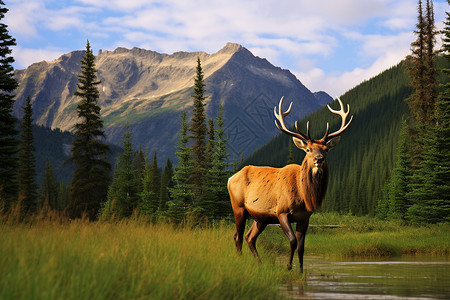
[(403, 278)]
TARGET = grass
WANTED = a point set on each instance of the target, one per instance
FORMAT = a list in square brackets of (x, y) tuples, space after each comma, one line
[(365, 237), (130, 260), (54, 258)]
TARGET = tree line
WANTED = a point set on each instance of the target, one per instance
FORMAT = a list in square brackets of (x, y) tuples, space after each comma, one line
[(197, 186), (364, 170), (418, 190), (394, 164)]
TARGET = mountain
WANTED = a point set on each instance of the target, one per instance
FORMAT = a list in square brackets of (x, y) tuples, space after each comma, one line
[(365, 156), (54, 146), (148, 91), (323, 98)]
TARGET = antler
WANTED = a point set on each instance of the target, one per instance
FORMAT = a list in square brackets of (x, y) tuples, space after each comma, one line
[(343, 115), (280, 118)]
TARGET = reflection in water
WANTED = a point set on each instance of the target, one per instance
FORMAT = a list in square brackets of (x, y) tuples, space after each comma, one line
[(405, 278)]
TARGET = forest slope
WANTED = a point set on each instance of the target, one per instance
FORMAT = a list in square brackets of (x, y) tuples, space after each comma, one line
[(364, 158)]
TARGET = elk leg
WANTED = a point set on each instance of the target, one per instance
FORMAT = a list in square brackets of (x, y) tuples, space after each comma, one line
[(240, 218), (287, 229), (252, 235), (300, 235)]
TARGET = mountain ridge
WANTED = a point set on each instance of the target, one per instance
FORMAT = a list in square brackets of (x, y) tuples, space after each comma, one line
[(148, 90)]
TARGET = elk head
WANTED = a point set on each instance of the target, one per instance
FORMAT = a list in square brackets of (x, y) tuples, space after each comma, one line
[(316, 150)]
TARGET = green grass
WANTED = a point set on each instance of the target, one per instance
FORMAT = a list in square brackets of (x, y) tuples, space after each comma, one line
[(136, 259), (130, 260), (365, 237)]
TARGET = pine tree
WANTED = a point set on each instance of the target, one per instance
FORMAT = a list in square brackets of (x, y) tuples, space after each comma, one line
[(90, 181), (8, 132), (198, 132), (166, 185), (147, 196), (123, 193), (210, 145), (417, 72), (155, 177), (27, 161), (422, 102), (429, 188), (181, 193), (63, 196), (430, 74), (430, 193), (291, 159), (216, 202), (140, 166), (398, 183), (48, 194), (446, 38)]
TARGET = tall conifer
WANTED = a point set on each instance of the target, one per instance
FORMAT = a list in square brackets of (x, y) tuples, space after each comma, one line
[(216, 201), (430, 189), (422, 102), (123, 193), (398, 183), (181, 193), (151, 187), (8, 132), (210, 145), (27, 160), (155, 178), (90, 181), (291, 159), (198, 131), (48, 194), (166, 185)]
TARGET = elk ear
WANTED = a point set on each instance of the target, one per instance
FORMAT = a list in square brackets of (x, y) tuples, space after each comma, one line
[(299, 143), (333, 142)]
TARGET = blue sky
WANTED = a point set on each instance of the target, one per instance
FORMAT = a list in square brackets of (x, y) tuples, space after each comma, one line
[(329, 45)]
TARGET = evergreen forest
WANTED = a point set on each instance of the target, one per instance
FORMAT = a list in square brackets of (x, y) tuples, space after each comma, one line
[(392, 162), (363, 160)]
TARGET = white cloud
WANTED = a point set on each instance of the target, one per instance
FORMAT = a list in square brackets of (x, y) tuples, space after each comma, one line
[(22, 17), (337, 83), (118, 5), (25, 56), (329, 44)]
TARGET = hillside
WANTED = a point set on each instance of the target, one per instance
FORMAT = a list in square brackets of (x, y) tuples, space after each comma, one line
[(149, 90), (361, 163), (54, 146)]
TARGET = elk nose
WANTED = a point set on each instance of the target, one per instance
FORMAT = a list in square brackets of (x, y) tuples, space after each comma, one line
[(319, 159)]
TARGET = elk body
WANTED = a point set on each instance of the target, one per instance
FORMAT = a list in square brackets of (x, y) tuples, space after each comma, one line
[(284, 195)]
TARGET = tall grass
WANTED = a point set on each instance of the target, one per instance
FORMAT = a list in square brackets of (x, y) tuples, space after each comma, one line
[(130, 260), (365, 237), (51, 257)]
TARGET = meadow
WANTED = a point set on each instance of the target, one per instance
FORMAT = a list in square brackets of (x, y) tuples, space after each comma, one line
[(139, 259)]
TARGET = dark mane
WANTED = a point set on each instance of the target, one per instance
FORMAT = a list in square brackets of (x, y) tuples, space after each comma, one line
[(314, 186)]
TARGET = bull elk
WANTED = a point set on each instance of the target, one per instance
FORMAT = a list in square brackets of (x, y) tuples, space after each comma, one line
[(284, 195)]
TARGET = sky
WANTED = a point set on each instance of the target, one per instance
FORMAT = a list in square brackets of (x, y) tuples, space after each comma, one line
[(328, 45)]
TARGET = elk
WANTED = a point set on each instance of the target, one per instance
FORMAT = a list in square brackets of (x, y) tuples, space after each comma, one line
[(284, 195)]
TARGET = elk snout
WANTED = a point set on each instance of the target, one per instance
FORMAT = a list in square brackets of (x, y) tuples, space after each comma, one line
[(318, 160)]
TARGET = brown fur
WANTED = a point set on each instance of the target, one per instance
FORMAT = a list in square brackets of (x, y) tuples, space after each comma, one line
[(279, 196), (285, 195)]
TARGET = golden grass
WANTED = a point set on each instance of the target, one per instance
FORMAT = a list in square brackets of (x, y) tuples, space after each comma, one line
[(130, 260)]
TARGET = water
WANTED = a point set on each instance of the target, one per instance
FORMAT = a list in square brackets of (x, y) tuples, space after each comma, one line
[(404, 278)]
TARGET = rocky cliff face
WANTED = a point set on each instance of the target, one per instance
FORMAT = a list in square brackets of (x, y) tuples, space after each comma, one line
[(148, 91)]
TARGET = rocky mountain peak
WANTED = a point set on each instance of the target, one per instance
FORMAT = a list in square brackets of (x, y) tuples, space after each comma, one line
[(148, 90)]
